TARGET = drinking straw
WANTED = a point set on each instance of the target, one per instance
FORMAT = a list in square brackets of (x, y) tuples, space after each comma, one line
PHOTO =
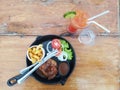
[(103, 13), (99, 26)]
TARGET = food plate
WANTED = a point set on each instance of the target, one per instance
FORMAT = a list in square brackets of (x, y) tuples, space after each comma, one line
[(44, 40)]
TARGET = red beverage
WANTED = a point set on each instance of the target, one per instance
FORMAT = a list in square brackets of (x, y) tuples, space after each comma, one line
[(78, 22), (71, 29)]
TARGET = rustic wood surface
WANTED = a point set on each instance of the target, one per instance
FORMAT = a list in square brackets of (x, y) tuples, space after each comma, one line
[(97, 67)]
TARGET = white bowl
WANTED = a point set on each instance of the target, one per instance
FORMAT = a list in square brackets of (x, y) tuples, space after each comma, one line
[(41, 49)]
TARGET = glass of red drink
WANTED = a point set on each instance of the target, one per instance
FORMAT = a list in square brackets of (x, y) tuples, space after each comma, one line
[(79, 21)]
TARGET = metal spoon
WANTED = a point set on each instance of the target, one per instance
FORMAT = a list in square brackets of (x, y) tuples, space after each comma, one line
[(21, 77), (28, 68)]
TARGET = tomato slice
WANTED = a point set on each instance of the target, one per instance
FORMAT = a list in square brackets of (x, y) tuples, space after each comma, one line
[(56, 44), (59, 51)]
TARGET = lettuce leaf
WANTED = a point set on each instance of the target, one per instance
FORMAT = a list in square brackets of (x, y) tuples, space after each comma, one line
[(65, 47)]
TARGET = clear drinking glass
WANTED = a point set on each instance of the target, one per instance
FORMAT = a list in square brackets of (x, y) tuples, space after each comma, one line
[(78, 22), (87, 36)]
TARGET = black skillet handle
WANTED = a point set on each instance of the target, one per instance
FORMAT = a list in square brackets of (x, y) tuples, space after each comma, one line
[(39, 37), (63, 80), (12, 81)]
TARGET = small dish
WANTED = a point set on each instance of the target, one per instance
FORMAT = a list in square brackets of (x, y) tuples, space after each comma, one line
[(63, 68), (35, 53)]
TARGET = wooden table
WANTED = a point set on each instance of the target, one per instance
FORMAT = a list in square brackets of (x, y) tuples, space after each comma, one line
[(97, 67)]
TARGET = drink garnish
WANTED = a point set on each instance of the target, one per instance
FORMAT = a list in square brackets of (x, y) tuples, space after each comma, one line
[(69, 14)]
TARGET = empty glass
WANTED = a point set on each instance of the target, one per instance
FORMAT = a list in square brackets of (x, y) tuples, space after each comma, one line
[(87, 36)]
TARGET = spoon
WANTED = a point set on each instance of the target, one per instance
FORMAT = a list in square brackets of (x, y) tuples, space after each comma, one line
[(24, 74), (28, 68)]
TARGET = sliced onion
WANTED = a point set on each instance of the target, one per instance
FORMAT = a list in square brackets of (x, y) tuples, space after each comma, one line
[(63, 56), (47, 48)]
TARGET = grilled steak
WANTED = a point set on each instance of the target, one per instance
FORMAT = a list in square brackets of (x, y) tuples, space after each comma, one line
[(49, 69)]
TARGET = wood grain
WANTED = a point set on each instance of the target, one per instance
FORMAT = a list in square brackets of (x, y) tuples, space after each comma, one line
[(23, 17), (96, 66)]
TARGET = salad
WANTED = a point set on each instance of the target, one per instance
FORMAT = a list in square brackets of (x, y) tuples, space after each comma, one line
[(64, 50)]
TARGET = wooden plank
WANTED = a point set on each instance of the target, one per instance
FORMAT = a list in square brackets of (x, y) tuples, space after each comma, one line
[(96, 66), (32, 17)]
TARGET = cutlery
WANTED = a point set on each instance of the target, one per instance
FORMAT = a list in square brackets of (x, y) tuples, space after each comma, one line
[(25, 73)]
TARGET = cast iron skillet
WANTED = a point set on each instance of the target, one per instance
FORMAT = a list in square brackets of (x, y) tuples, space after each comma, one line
[(58, 79)]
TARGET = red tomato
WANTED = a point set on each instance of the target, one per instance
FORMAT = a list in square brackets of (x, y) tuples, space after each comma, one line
[(59, 51), (56, 44)]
